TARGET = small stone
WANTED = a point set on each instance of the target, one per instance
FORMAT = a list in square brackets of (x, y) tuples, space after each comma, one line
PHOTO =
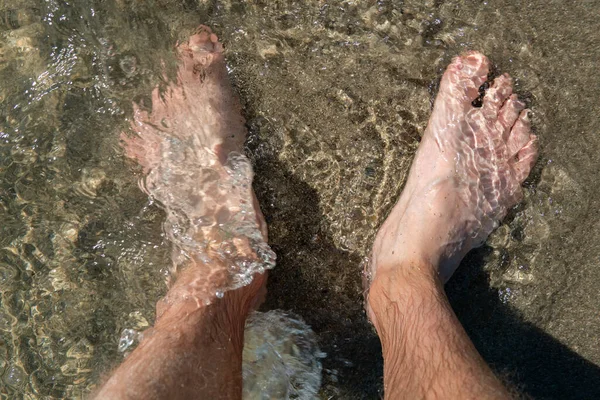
[(128, 65), (268, 51), (92, 179), (6, 321), (137, 321)]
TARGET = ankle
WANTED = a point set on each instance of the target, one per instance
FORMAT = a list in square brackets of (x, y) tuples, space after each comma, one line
[(395, 289), (183, 306), (407, 241)]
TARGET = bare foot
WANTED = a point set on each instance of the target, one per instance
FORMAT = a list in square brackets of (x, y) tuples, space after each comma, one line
[(190, 147), (467, 172)]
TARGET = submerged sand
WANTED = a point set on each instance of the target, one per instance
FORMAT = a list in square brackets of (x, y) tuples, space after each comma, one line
[(336, 95)]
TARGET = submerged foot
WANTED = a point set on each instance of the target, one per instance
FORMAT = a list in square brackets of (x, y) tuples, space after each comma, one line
[(190, 147), (467, 172)]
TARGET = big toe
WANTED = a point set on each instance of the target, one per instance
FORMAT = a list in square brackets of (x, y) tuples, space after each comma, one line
[(200, 53), (475, 65), (204, 40), (464, 77)]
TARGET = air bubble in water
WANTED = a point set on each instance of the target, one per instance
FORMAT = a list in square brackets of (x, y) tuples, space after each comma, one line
[(281, 358), (128, 337)]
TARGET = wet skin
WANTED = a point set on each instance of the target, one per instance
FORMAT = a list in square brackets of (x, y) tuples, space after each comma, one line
[(467, 173), (194, 349)]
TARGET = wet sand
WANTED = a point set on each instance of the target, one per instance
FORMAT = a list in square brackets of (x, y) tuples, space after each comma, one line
[(336, 95)]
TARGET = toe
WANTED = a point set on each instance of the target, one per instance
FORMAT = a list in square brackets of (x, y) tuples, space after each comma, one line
[(204, 41), (519, 134), (201, 55), (496, 96), (526, 158), (464, 76), (509, 114)]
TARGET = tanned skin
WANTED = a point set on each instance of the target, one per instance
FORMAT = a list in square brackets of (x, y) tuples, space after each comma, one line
[(467, 173)]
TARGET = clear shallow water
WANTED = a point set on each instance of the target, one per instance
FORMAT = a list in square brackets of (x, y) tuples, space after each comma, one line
[(281, 358), (336, 95)]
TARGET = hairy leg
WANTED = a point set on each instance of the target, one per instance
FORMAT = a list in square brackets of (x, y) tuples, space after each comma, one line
[(427, 354), (190, 147), (466, 175), (191, 352)]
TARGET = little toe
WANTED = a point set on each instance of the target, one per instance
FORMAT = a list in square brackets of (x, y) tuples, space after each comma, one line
[(509, 114), (519, 134), (464, 76), (496, 96), (526, 158)]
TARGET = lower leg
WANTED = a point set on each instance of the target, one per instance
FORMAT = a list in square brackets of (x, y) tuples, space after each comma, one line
[(466, 174), (191, 352), (426, 351)]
